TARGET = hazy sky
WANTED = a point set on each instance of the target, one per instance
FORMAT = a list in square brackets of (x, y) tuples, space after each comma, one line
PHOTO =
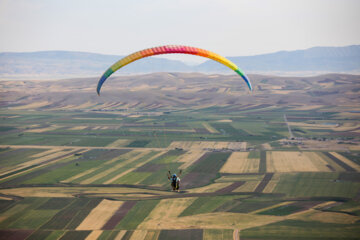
[(227, 27)]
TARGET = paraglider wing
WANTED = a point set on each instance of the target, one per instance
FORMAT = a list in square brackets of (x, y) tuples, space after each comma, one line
[(168, 50)]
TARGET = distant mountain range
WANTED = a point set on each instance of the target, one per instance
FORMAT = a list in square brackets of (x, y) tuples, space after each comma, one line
[(57, 64)]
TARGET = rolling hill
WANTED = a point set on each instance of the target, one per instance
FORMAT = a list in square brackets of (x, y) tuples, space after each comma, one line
[(65, 64)]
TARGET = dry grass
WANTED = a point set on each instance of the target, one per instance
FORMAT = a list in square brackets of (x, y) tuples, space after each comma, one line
[(327, 217), (211, 221), (327, 146), (120, 235), (94, 235), (165, 211), (33, 105), (307, 107), (41, 154), (347, 126), (210, 188), (45, 158), (138, 235), (333, 217), (295, 162), (190, 157), (209, 128), (187, 145), (271, 207), (311, 125), (238, 162), (345, 160), (5, 198), (78, 128), (270, 187), (266, 146), (41, 130), (224, 120), (100, 215), (249, 186), (85, 105), (74, 191)]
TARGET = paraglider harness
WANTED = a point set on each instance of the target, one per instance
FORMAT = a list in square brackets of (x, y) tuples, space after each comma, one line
[(174, 181)]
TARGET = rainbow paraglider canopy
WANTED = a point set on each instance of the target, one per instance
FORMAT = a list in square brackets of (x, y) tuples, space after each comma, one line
[(169, 49)]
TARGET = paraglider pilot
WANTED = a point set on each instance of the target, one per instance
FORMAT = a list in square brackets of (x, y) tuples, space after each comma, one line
[(174, 181)]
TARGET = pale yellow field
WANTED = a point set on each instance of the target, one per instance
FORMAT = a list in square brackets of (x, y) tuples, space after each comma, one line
[(208, 145), (328, 217), (5, 198), (73, 191), (266, 146), (100, 215), (161, 214), (238, 162), (347, 126), (209, 128), (138, 235), (237, 145), (211, 221), (152, 235), (210, 188), (224, 120), (222, 90), (41, 154), (236, 178), (333, 217), (40, 130), (282, 91), (295, 162), (163, 129), (311, 126), (331, 145), (345, 160), (94, 235), (45, 158), (32, 105), (84, 105), (248, 186), (190, 157), (120, 235), (307, 107), (270, 187), (271, 207)]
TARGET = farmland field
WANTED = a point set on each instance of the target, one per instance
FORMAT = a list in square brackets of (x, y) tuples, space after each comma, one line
[(77, 166)]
